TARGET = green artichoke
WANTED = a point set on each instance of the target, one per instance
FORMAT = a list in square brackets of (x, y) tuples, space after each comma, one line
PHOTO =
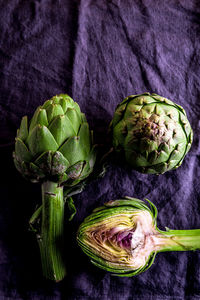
[(55, 149), (122, 237), (56, 145), (151, 133)]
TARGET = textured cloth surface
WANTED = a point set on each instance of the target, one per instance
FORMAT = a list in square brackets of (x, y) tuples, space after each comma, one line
[(98, 52)]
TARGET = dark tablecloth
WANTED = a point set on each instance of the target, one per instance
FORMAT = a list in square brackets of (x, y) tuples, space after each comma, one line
[(98, 52)]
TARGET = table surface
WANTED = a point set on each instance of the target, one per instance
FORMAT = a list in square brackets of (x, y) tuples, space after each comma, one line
[(98, 52)]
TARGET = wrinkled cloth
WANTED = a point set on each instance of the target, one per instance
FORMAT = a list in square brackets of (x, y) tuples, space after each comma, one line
[(98, 52)]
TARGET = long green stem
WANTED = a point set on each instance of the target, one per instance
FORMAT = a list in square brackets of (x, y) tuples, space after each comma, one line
[(178, 240), (51, 237)]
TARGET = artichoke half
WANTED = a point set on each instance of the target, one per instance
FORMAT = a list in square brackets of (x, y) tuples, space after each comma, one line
[(122, 237), (151, 133), (55, 149)]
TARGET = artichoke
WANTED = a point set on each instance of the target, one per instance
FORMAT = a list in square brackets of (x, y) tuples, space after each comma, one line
[(151, 133), (122, 237), (56, 150)]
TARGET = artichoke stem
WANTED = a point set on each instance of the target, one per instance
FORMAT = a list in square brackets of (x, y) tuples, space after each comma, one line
[(51, 238), (179, 240)]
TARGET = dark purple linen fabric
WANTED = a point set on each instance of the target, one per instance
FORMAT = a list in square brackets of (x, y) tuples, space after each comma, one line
[(98, 52)]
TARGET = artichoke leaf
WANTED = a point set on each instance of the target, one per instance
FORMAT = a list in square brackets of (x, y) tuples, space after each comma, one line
[(54, 110), (61, 129), (59, 163), (44, 162), (34, 118), (21, 151), (72, 151), (75, 171), (74, 118), (23, 130), (85, 139), (39, 118), (41, 140)]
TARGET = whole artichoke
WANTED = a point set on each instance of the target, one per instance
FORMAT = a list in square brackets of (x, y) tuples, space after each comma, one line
[(55, 149), (56, 145), (122, 237), (151, 133)]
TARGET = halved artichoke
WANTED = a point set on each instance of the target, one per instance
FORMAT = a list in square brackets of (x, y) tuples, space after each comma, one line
[(151, 132), (122, 237)]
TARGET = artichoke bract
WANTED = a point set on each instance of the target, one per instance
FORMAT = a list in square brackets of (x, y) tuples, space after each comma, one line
[(122, 237), (56, 149), (151, 133)]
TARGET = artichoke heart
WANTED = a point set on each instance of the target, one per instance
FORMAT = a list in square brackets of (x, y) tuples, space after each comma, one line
[(122, 237), (151, 132), (121, 244)]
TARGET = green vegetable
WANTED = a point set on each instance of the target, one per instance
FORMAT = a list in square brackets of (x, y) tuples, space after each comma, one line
[(54, 149), (122, 237), (151, 132)]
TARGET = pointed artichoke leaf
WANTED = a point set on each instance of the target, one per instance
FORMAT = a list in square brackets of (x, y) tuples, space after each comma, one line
[(77, 108), (66, 102), (18, 165), (23, 130), (137, 161), (85, 171), (118, 115), (41, 117), (61, 128), (67, 98), (33, 121), (184, 124), (178, 152), (74, 118), (159, 168), (47, 103), (63, 178), (44, 161), (83, 118), (72, 151), (36, 172), (56, 99), (85, 139), (24, 169), (156, 157), (152, 156), (21, 151), (41, 140), (120, 130), (75, 171), (59, 164), (54, 110)]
